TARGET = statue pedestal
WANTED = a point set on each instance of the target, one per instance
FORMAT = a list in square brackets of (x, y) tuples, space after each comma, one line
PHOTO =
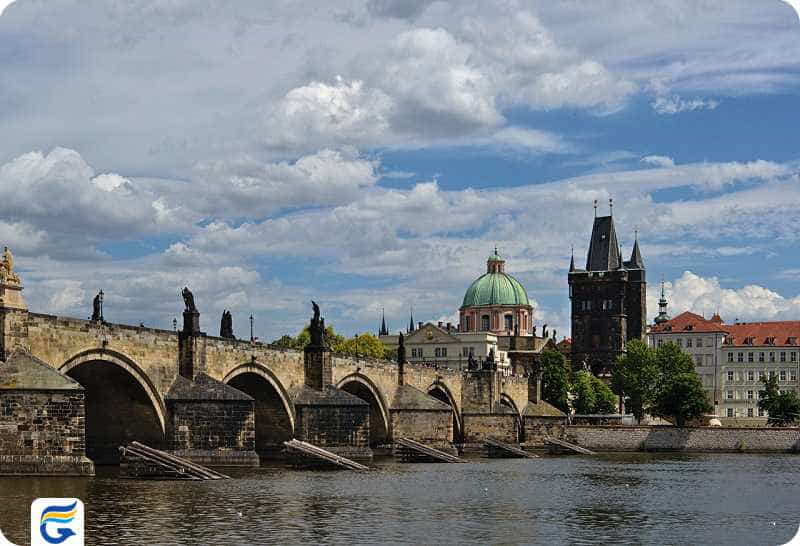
[(11, 296), (191, 322)]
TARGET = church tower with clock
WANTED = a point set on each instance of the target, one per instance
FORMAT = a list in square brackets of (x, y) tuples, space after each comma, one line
[(608, 300)]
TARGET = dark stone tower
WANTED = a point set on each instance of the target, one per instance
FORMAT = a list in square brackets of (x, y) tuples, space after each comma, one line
[(608, 300)]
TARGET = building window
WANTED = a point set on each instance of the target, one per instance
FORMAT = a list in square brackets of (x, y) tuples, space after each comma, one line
[(760, 412), (771, 374), (750, 375), (440, 352), (660, 342), (699, 342), (760, 357), (740, 357), (749, 412), (761, 375), (689, 342), (793, 356), (783, 375), (749, 395), (485, 323), (730, 375), (680, 342), (794, 375), (730, 357), (509, 322), (771, 356), (729, 395), (468, 323), (730, 412), (783, 356)]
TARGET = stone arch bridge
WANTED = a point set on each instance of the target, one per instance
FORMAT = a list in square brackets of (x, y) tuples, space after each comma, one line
[(133, 385)]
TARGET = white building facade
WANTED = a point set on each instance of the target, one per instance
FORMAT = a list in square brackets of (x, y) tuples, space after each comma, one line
[(732, 359)]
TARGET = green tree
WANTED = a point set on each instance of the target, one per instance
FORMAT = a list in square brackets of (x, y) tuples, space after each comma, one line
[(782, 409), (634, 376), (679, 393), (555, 379), (583, 392), (605, 401), (592, 395), (303, 338), (366, 345), (683, 398)]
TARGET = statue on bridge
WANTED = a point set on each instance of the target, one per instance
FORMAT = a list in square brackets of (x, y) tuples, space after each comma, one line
[(226, 325), (188, 300), (7, 268), (317, 327), (471, 364), (401, 349), (97, 307), (489, 364)]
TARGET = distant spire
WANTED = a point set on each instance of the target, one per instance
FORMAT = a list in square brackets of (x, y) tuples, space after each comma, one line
[(636, 256), (662, 306), (572, 261), (610, 207), (595, 208), (383, 331), (411, 321)]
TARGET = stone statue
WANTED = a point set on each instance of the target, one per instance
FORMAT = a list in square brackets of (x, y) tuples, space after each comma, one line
[(554, 334), (401, 349), (534, 330), (97, 312), (544, 331), (471, 364), (226, 325), (516, 330), (7, 267), (317, 327), (188, 300), (489, 362)]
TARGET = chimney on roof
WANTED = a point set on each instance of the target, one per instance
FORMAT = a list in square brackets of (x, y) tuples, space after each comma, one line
[(419, 325)]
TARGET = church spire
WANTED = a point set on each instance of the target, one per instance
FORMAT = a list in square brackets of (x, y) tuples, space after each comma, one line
[(572, 261), (662, 306), (603, 246), (411, 321), (383, 331), (636, 256)]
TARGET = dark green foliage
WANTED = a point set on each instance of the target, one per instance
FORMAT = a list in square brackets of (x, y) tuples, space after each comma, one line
[(634, 376), (366, 344), (592, 395), (555, 379), (783, 409), (683, 398)]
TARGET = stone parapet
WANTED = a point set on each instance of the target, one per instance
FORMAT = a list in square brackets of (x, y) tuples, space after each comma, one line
[(689, 439)]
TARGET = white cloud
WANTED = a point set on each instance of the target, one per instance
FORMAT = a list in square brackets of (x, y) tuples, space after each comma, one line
[(318, 112), (705, 296), (673, 104), (658, 161)]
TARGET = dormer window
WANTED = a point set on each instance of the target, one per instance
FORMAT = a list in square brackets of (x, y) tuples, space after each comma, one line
[(792, 340), (770, 341), (689, 327)]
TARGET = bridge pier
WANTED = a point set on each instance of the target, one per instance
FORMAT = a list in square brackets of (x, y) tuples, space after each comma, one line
[(327, 416)]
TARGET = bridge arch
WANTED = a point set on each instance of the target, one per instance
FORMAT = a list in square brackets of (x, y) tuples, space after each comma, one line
[(363, 387), (441, 392), (507, 401), (122, 404), (275, 413)]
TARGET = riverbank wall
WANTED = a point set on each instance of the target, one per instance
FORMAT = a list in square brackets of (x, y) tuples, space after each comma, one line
[(688, 439)]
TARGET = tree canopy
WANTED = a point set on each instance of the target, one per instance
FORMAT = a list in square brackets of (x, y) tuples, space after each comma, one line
[(364, 345), (783, 409), (555, 379), (591, 395), (678, 391), (634, 377)]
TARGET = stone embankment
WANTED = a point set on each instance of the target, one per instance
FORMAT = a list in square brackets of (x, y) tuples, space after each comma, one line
[(687, 439)]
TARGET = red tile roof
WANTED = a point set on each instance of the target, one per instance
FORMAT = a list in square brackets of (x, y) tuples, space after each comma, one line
[(688, 322), (781, 333)]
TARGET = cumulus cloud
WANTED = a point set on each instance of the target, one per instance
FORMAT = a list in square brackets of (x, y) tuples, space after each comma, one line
[(58, 193), (705, 295), (658, 161)]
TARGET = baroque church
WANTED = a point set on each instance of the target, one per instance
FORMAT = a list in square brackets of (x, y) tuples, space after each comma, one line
[(608, 300)]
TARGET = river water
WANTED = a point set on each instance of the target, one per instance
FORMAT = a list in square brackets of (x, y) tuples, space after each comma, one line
[(606, 499)]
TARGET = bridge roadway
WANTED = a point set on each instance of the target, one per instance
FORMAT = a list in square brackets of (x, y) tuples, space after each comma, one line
[(128, 370)]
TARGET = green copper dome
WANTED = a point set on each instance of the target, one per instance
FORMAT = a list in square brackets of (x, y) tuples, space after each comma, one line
[(495, 289)]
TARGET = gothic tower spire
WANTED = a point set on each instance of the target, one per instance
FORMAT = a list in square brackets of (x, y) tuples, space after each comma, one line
[(383, 331)]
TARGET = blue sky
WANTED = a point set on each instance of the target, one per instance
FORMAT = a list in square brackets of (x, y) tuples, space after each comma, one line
[(370, 153)]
